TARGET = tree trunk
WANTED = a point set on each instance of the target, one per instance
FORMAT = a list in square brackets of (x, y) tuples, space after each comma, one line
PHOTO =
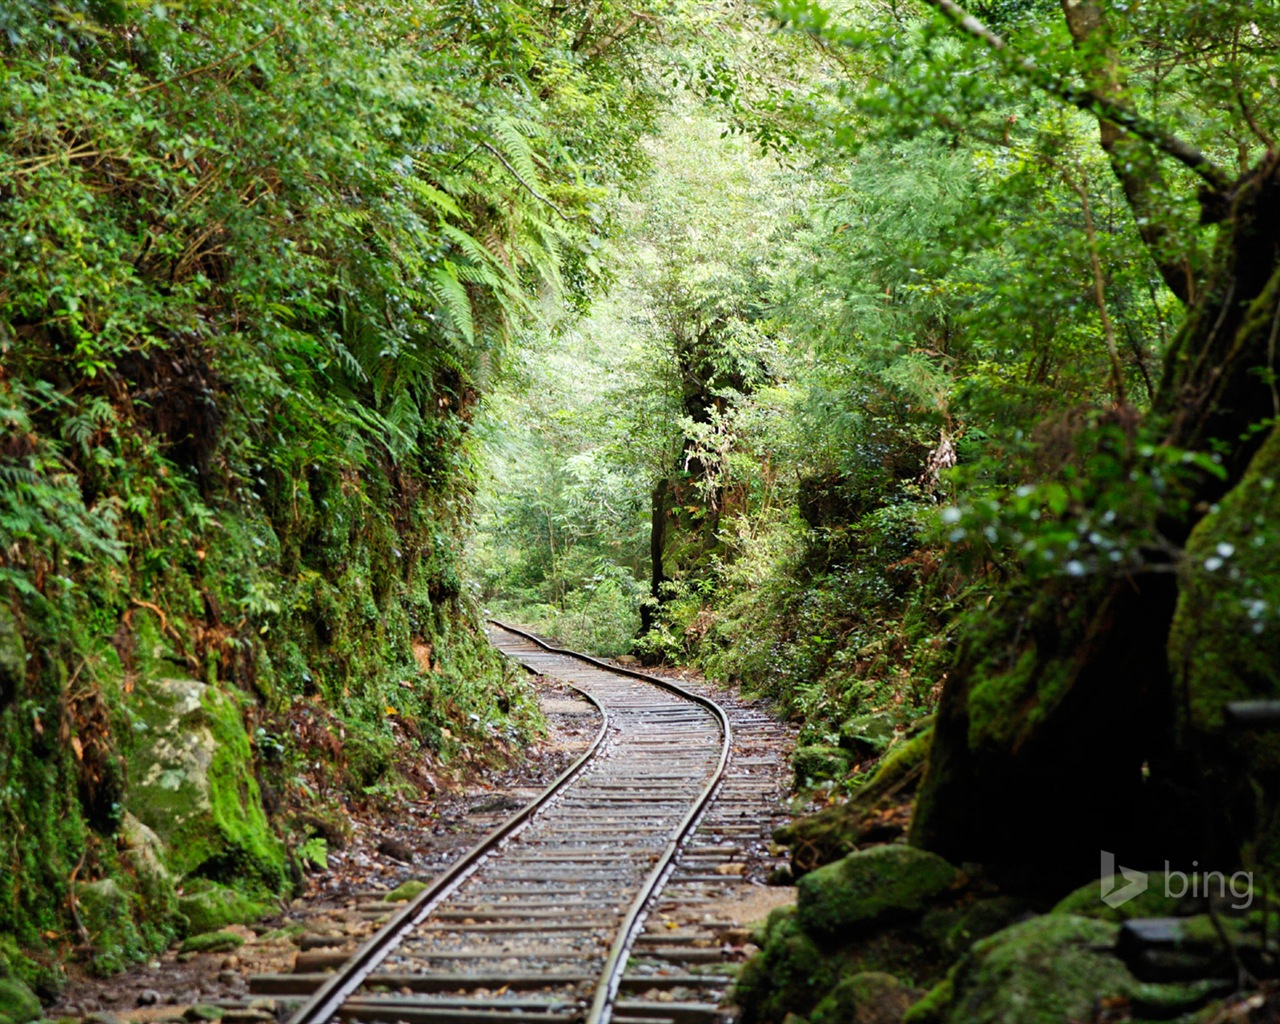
[(657, 545), (1055, 734)]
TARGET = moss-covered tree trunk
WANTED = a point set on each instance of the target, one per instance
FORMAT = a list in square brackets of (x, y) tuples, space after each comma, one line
[(1057, 734)]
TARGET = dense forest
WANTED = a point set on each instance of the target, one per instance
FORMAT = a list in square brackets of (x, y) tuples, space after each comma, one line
[(909, 365)]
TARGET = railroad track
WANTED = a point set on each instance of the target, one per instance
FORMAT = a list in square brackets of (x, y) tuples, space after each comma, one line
[(539, 922)]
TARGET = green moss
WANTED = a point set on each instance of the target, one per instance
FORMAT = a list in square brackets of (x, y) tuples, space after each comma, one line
[(868, 734), (211, 942), (897, 767), (1225, 641), (953, 929), (1043, 971), (17, 1002), (789, 975), (191, 780), (289, 933), (107, 911), (868, 885), (819, 763), (1087, 901), (865, 996), (833, 832), (212, 907), (1224, 645), (932, 1009), (405, 891)]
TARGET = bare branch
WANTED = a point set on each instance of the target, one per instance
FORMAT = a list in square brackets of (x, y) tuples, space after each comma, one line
[(1124, 117), (527, 187)]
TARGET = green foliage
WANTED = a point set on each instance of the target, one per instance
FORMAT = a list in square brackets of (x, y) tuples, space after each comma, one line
[(260, 261)]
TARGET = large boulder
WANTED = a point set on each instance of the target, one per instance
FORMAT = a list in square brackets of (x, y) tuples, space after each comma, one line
[(869, 885), (191, 781), (1049, 969)]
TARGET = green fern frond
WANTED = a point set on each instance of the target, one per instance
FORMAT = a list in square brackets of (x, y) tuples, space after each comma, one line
[(453, 300)]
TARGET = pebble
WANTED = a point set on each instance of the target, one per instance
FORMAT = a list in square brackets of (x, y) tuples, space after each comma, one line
[(148, 997)]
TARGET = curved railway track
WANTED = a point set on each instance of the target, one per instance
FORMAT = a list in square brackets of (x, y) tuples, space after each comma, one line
[(538, 921)]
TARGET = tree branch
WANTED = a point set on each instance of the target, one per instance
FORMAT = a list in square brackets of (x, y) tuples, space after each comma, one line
[(527, 187), (1086, 99)]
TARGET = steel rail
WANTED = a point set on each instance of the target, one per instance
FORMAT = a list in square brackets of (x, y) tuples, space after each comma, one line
[(324, 1004), (611, 979)]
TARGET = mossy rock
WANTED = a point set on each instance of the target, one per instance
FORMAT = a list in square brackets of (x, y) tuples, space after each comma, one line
[(1087, 901), (212, 907), (833, 832), (789, 975), (821, 838), (818, 762), (1050, 969), (191, 780), (900, 768), (18, 1003), (953, 929), (868, 997), (884, 882), (15, 963), (211, 942), (405, 891), (868, 735), (107, 912)]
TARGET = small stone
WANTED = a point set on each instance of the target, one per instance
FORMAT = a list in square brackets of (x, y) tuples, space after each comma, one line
[(230, 963), (395, 849), (202, 1012), (147, 997), (405, 891), (228, 977)]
